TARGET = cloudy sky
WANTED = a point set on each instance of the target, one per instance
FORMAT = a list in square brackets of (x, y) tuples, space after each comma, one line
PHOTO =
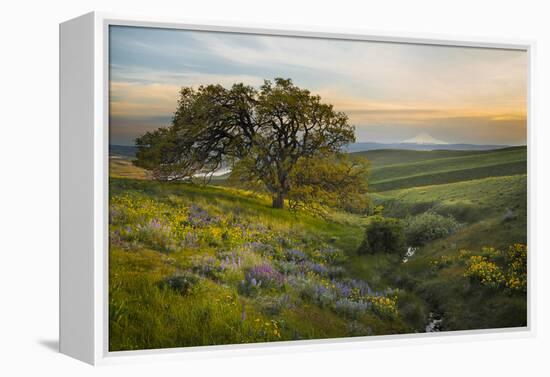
[(390, 91)]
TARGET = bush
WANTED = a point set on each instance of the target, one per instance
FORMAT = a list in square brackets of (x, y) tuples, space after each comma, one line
[(352, 309), (384, 306), (496, 269), (429, 226), (181, 283), (262, 276), (413, 310), (516, 260), (383, 235), (485, 271)]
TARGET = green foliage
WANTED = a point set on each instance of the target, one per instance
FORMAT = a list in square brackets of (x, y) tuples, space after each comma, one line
[(182, 282), (434, 277), (413, 310), (485, 271), (263, 133), (468, 202), (333, 182), (386, 307), (383, 235), (516, 262), (427, 227), (497, 269)]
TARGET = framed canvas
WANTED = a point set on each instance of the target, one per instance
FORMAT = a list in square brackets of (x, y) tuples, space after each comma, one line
[(245, 188)]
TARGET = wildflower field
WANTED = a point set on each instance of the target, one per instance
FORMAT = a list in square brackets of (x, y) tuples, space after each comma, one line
[(195, 265)]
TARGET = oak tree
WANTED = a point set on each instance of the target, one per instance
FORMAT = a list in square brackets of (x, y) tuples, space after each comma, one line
[(265, 135)]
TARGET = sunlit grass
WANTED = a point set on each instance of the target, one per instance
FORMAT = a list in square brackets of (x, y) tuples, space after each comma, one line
[(220, 241), (221, 236)]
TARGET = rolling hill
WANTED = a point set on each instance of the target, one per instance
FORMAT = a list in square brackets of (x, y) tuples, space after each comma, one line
[(370, 146), (398, 169), (163, 230)]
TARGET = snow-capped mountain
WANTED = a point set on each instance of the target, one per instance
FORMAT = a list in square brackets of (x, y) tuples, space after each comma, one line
[(423, 138)]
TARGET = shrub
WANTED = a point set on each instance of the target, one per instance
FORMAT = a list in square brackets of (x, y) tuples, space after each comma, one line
[(182, 282), (485, 271), (262, 276), (412, 309), (265, 275), (496, 269), (295, 255), (351, 309), (384, 306), (313, 290), (516, 260), (274, 305), (329, 255), (429, 226), (383, 235)]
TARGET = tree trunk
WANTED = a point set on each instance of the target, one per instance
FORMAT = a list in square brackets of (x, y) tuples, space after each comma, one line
[(278, 200)]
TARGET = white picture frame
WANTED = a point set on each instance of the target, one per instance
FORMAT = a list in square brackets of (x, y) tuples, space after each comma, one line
[(84, 119)]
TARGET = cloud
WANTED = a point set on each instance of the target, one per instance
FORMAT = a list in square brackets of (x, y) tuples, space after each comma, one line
[(405, 87), (388, 71), (156, 96)]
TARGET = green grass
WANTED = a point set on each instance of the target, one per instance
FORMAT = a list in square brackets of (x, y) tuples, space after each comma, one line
[(494, 213), (438, 167), (386, 157), (162, 230), (153, 237), (468, 201)]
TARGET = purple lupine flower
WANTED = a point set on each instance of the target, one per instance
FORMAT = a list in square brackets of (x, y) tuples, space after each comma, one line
[(155, 224), (362, 286), (199, 217), (342, 289), (265, 275), (350, 308), (295, 255), (319, 269)]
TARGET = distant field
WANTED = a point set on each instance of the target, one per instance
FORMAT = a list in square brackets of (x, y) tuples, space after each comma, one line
[(393, 169), (122, 167), (384, 157)]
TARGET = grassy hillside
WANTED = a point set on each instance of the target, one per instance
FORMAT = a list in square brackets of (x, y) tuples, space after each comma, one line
[(196, 265), (193, 265), (384, 157), (468, 201), (401, 169), (493, 212)]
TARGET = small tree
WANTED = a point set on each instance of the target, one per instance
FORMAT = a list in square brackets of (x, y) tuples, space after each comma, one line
[(383, 235), (339, 181), (263, 135)]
